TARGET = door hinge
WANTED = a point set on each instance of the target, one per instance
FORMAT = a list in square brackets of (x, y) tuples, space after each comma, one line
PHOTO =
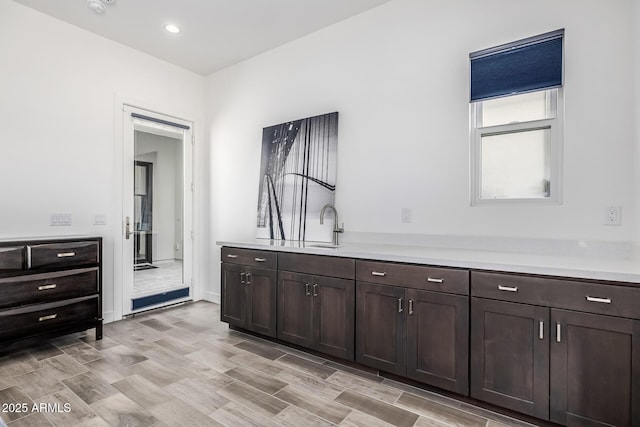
[(193, 140), (192, 187), (192, 234)]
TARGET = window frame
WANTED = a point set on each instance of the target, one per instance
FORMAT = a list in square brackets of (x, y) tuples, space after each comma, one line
[(555, 101)]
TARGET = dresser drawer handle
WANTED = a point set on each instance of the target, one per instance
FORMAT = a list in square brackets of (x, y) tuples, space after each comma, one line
[(259, 259), (45, 287), (232, 256), (600, 300), (507, 288), (378, 273), (434, 280), (66, 254), (49, 317)]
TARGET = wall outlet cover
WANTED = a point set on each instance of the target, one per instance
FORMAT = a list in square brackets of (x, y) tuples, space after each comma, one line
[(613, 215)]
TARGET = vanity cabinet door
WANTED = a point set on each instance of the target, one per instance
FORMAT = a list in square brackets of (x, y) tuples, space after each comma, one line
[(510, 355), (595, 370), (234, 295), (261, 300), (295, 303), (334, 316), (438, 339), (381, 327)]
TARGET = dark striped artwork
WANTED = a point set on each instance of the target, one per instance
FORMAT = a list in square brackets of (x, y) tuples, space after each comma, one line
[(297, 178)]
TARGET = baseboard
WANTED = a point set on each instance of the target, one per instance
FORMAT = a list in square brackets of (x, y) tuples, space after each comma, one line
[(107, 316), (212, 297)]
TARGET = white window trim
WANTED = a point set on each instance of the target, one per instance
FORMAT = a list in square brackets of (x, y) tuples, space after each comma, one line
[(554, 124)]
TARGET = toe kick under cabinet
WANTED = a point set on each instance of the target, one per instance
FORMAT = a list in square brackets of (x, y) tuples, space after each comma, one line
[(49, 287)]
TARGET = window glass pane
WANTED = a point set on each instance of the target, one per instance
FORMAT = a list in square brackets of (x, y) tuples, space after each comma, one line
[(515, 165), (517, 108)]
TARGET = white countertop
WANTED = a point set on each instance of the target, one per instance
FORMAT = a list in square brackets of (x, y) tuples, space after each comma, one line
[(599, 268)]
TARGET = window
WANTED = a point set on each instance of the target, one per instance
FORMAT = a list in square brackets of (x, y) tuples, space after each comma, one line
[(516, 122)]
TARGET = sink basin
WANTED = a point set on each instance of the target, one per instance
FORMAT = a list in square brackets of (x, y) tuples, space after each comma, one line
[(323, 245)]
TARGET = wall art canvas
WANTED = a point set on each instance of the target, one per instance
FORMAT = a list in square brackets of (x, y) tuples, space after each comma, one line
[(297, 178)]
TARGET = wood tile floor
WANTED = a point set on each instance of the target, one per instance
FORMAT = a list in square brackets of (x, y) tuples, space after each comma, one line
[(182, 367)]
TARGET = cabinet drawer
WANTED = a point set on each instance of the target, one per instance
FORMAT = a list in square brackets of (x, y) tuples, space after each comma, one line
[(263, 259), (42, 318), (13, 258), (47, 287), (414, 276), (320, 265), (64, 254), (598, 298)]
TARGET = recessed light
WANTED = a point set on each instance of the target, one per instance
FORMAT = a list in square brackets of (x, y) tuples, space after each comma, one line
[(173, 29)]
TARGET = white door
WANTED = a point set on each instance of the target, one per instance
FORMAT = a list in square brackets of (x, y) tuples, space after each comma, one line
[(156, 210)]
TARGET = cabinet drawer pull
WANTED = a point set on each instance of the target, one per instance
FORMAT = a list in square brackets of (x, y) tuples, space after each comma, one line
[(600, 300), (434, 280), (49, 317), (45, 287), (558, 332), (259, 259), (232, 256), (378, 273), (248, 278), (508, 288), (400, 305), (315, 290), (541, 330), (66, 254), (306, 290), (242, 275), (410, 306)]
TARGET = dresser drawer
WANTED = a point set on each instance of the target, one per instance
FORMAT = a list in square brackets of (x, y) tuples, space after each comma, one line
[(414, 276), (47, 287), (598, 298), (319, 265), (13, 258), (42, 318), (58, 255), (251, 257)]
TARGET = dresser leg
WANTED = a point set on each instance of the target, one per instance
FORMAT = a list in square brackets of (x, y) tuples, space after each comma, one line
[(99, 330)]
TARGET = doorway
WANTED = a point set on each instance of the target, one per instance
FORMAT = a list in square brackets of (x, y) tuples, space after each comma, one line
[(157, 210)]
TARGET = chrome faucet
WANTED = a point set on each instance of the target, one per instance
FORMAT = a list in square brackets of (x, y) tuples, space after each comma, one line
[(336, 229)]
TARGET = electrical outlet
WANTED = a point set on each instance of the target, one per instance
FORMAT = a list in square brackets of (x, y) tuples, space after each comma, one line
[(612, 215), (405, 215), (60, 219), (99, 219)]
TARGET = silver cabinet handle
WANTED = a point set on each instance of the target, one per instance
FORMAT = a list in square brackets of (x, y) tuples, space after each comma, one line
[(45, 287), (232, 256), (315, 290), (600, 300), (378, 273), (558, 332), (259, 259), (541, 330), (400, 305), (434, 280), (49, 317), (66, 254), (410, 306), (507, 288), (306, 290), (248, 278), (242, 275)]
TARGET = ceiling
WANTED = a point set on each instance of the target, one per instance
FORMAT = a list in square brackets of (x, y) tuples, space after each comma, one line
[(215, 33)]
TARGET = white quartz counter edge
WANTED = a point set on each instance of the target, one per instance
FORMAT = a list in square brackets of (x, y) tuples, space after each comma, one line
[(623, 270)]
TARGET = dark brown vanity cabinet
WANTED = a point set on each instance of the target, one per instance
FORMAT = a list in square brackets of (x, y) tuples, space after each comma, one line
[(315, 310), (413, 321), (248, 293), (49, 287), (556, 349)]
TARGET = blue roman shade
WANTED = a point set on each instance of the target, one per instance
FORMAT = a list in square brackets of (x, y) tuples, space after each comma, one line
[(526, 65)]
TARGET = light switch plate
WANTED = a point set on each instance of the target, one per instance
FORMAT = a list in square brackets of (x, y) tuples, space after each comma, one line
[(60, 219)]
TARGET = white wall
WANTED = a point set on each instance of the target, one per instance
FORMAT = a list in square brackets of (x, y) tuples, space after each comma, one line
[(398, 76), (58, 84), (636, 115)]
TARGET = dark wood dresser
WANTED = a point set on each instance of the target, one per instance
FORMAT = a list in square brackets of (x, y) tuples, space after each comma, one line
[(49, 287)]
